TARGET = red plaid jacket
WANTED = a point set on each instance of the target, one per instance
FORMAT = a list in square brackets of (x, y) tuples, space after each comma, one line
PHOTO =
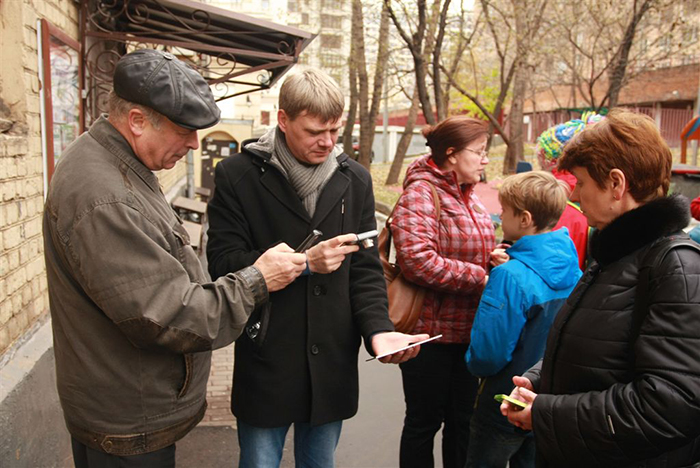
[(448, 257)]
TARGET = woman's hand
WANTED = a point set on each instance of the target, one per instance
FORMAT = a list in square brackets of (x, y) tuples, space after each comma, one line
[(499, 255), (523, 391)]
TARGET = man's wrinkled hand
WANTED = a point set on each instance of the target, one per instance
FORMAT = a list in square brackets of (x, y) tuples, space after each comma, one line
[(383, 343), (327, 256), (280, 266)]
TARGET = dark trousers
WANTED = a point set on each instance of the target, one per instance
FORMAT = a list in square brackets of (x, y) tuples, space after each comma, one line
[(85, 457), (438, 390)]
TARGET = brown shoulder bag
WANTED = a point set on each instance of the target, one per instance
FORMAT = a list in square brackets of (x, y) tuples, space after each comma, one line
[(405, 298)]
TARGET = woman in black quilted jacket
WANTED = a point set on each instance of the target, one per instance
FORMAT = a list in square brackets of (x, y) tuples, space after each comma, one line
[(617, 386)]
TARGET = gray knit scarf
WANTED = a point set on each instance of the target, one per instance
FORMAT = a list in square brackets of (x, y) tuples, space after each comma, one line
[(307, 180)]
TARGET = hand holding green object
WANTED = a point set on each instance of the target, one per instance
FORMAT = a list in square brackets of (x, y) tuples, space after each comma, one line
[(515, 404)]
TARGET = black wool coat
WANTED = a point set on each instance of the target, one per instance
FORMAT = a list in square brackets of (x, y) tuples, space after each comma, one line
[(302, 365), (606, 398)]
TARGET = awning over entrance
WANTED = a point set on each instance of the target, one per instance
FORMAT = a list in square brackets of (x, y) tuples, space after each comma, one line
[(236, 53)]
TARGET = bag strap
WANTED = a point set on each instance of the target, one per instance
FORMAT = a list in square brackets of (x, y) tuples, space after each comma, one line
[(651, 261), (436, 203), (389, 219)]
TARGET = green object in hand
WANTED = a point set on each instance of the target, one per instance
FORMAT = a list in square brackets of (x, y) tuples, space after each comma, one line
[(516, 404)]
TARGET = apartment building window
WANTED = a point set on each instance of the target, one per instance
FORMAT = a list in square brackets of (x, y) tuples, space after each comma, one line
[(331, 41), (332, 60), (331, 21), (690, 34), (337, 76), (292, 6), (332, 4), (304, 18), (264, 117)]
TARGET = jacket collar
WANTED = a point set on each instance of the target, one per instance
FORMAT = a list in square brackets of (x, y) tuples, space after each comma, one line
[(639, 227), (109, 137), (424, 169), (281, 189)]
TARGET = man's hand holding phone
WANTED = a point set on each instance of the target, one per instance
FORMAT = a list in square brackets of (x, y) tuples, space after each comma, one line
[(280, 265), (384, 343), (327, 256), (524, 392)]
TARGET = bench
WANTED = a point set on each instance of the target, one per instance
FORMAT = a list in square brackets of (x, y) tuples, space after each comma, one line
[(195, 231), (189, 207)]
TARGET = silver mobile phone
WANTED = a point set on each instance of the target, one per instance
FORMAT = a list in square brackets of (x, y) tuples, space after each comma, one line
[(365, 239), (309, 242)]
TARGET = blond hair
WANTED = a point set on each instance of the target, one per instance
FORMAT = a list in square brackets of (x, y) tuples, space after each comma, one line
[(314, 92), (537, 192)]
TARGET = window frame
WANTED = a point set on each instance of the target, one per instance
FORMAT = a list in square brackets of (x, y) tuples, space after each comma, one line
[(49, 31)]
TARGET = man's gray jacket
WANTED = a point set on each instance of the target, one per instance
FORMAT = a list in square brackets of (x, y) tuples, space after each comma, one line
[(134, 317)]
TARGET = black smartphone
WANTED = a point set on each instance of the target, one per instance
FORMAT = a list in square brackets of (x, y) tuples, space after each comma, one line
[(309, 242)]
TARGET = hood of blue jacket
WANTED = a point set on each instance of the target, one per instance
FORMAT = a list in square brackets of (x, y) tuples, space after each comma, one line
[(549, 255)]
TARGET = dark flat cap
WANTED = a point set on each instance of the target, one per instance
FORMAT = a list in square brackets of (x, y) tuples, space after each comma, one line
[(167, 85)]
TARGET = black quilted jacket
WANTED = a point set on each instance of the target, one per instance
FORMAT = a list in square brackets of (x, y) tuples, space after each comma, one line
[(599, 406)]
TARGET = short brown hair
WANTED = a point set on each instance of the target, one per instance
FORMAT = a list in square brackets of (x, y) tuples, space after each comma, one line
[(314, 92), (538, 192), (454, 132), (119, 108), (627, 141)]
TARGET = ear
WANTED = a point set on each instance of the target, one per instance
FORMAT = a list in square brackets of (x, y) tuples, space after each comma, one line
[(449, 153), (618, 183), (525, 219), (137, 121), (282, 120)]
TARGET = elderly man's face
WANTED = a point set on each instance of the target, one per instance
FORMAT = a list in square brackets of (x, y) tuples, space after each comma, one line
[(309, 138), (162, 147)]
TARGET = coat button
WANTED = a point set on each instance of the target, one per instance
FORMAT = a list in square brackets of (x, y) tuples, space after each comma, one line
[(318, 290), (314, 350)]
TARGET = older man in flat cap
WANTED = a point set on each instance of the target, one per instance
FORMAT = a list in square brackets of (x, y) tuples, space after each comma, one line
[(134, 317)]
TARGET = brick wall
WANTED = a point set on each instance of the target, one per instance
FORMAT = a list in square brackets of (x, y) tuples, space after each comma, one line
[(170, 177), (23, 293)]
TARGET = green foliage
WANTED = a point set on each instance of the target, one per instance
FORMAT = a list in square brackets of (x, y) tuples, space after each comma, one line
[(487, 93)]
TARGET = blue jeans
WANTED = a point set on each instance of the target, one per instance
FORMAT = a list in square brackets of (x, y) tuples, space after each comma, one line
[(314, 446), (491, 447)]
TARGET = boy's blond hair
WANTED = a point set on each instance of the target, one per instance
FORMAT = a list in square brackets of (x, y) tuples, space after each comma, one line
[(538, 192)]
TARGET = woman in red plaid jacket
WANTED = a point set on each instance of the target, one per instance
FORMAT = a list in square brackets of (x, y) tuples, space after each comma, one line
[(449, 257)]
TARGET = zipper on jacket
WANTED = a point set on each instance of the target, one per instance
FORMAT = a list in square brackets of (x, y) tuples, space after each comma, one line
[(484, 255), (342, 215)]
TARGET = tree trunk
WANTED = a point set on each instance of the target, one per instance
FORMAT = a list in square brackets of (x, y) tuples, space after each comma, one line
[(404, 142), (622, 58), (377, 86), (415, 43), (514, 153), (352, 111), (440, 106), (366, 126), (515, 150)]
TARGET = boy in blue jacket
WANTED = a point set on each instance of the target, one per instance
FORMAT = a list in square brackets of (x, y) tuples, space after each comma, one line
[(516, 311)]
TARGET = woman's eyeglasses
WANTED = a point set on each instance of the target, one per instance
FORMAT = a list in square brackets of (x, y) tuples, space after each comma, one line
[(482, 154)]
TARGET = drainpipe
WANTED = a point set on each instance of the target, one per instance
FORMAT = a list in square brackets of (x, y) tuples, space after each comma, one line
[(190, 174)]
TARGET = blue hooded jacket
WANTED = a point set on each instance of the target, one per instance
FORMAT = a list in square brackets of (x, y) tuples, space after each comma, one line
[(517, 308)]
